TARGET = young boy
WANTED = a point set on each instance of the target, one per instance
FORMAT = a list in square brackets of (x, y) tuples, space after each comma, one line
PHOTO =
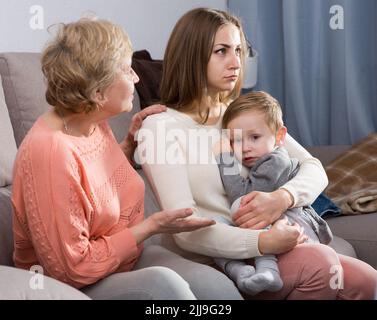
[(257, 133)]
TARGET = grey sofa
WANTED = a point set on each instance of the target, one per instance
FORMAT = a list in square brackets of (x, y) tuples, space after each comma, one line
[(24, 96)]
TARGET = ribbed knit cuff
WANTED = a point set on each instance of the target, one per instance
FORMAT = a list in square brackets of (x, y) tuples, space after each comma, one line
[(252, 243), (293, 193)]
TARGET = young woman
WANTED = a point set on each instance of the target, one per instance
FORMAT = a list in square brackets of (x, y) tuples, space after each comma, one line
[(202, 74)]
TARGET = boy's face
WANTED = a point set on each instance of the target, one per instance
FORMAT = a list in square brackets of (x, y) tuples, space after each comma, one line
[(251, 138)]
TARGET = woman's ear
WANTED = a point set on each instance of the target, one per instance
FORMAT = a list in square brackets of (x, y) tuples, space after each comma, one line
[(100, 96), (280, 136)]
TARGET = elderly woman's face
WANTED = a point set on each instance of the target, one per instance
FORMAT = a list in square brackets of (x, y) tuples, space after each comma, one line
[(119, 96), (224, 65)]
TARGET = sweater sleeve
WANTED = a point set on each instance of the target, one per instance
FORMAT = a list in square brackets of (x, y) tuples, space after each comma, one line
[(310, 181), (49, 190), (171, 183), (235, 185)]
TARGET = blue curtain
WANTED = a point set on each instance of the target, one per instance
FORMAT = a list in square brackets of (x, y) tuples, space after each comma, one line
[(325, 79)]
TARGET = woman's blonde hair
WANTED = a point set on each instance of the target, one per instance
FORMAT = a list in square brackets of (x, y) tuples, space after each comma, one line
[(184, 79), (81, 61), (256, 101)]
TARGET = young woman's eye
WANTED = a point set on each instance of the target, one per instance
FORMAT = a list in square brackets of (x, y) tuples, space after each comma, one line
[(238, 51), (221, 51)]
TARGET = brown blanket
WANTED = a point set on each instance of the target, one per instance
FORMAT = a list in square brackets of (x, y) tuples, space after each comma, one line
[(353, 178)]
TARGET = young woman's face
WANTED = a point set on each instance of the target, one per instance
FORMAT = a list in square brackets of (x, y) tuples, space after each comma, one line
[(119, 96), (225, 63)]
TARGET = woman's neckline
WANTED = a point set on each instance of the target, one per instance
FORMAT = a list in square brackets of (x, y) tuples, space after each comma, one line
[(191, 120), (94, 135)]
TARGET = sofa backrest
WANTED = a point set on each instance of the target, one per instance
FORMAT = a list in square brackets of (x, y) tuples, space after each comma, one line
[(24, 90)]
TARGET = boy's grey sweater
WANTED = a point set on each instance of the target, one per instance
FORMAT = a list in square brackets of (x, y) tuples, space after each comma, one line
[(268, 174)]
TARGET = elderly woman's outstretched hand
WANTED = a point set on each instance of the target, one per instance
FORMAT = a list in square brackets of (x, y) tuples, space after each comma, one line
[(171, 222), (129, 144), (178, 221)]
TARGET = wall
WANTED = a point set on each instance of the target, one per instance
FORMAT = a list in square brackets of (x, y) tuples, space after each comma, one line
[(148, 22)]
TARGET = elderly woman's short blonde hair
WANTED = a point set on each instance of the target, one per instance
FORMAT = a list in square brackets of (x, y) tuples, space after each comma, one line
[(81, 61)]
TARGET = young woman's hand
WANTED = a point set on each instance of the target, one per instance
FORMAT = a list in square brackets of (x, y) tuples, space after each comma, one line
[(281, 238), (129, 144), (258, 210), (171, 222)]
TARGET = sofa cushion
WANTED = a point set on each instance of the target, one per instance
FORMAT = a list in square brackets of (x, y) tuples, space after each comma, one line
[(6, 232), (343, 247), (7, 143), (360, 232), (24, 90), (18, 284)]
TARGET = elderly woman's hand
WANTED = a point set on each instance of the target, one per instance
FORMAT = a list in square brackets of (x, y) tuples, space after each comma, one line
[(178, 221), (171, 222), (129, 144), (258, 210)]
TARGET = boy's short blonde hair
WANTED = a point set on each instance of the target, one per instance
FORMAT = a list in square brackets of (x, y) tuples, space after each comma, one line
[(256, 101), (83, 60)]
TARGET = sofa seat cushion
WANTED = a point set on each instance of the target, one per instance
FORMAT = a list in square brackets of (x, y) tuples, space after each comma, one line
[(6, 233), (343, 247), (18, 284), (361, 232)]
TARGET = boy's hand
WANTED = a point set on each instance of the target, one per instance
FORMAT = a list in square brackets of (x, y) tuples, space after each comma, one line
[(222, 146)]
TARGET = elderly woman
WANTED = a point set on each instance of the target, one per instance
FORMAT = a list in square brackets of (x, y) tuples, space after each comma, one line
[(78, 203)]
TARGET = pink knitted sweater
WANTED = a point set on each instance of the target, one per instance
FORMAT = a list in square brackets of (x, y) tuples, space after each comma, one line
[(73, 201)]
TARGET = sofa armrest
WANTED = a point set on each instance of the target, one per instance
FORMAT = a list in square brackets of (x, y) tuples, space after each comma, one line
[(17, 284)]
